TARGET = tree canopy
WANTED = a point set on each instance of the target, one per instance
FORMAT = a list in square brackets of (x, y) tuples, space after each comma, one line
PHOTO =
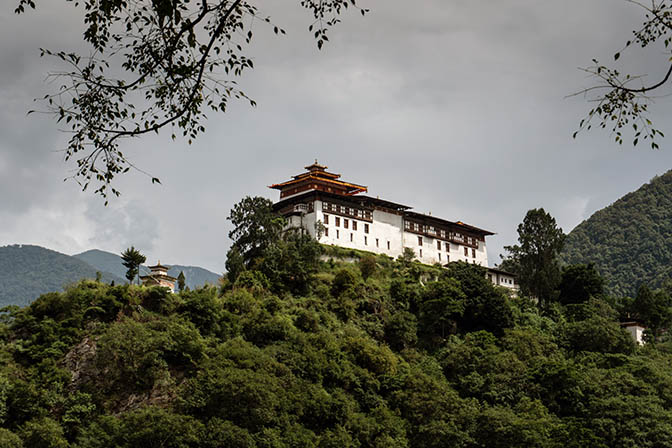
[(403, 356), (132, 259), (535, 258), (630, 241)]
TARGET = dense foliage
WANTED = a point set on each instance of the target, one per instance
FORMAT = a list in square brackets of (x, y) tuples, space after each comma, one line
[(378, 353), (535, 258), (629, 242)]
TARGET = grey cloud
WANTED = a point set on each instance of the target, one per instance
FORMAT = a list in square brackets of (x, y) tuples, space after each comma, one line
[(455, 107)]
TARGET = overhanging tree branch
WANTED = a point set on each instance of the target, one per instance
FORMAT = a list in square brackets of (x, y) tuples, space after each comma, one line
[(171, 61)]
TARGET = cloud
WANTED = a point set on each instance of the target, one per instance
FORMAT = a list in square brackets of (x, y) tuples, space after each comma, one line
[(454, 107)]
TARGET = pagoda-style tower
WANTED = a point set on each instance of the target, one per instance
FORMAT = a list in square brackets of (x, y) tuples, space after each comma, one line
[(158, 276), (317, 178)]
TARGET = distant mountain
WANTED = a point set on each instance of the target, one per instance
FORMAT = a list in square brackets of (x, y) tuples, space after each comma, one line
[(630, 241), (27, 271), (105, 261)]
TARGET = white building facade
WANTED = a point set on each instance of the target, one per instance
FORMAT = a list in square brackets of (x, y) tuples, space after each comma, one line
[(337, 213)]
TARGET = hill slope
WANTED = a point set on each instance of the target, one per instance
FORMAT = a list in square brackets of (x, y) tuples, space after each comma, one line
[(108, 262), (630, 241), (28, 271), (389, 354)]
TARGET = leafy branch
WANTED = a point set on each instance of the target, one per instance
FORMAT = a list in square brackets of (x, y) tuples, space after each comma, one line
[(622, 100), (155, 64)]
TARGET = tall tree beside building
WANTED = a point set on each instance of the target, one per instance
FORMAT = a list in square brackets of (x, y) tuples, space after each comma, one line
[(255, 228), (535, 258), (132, 259)]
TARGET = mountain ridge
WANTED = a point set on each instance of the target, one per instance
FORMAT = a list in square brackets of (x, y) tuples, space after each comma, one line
[(630, 240), (28, 271), (195, 276)]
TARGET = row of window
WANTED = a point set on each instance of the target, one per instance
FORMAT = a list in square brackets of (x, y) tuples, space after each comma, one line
[(344, 210), (440, 257), (446, 245), (352, 237), (412, 226), (501, 280), (346, 223)]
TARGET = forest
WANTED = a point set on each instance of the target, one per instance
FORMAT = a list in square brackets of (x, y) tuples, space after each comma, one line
[(630, 241), (298, 348)]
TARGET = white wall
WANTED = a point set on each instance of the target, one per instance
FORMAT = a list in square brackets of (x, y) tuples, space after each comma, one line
[(386, 227), (430, 252)]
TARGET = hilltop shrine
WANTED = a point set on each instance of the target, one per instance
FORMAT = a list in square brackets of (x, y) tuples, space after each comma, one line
[(158, 276), (353, 220)]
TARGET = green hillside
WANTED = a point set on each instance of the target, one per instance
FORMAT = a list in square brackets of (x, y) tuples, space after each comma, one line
[(308, 354), (630, 241), (195, 277), (28, 271)]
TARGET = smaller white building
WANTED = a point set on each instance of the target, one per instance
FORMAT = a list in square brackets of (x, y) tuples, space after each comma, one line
[(502, 278), (636, 330), (158, 276)]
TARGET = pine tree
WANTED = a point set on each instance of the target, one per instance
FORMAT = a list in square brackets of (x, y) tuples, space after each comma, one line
[(132, 261)]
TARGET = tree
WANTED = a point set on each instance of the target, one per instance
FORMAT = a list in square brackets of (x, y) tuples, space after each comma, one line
[(153, 65), (622, 100), (291, 261), (485, 308), (535, 258), (442, 304), (579, 283), (132, 259), (654, 308), (180, 281), (255, 228), (367, 266)]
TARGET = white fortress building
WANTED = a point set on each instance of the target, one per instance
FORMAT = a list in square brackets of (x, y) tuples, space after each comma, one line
[(353, 220)]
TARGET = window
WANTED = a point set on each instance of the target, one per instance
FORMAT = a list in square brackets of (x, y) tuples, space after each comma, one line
[(388, 245), (338, 221), (366, 228), (438, 245), (366, 241), (439, 256), (420, 253), (377, 243), (326, 231), (447, 244), (466, 250), (354, 225), (407, 225), (326, 219), (473, 253), (345, 223), (419, 241), (351, 237), (447, 258), (337, 236)]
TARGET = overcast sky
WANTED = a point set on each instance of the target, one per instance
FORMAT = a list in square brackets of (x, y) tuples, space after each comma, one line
[(454, 107)]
